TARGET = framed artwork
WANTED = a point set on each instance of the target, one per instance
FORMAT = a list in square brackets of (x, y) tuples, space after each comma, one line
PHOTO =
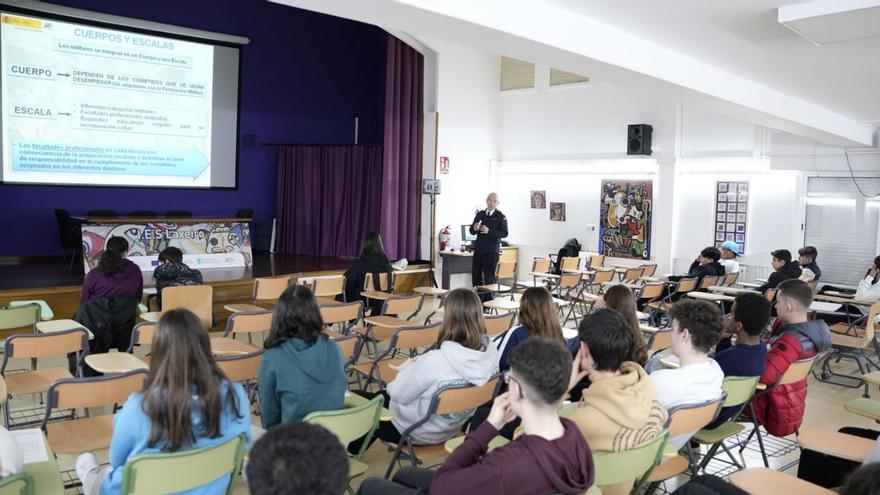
[(539, 200), (731, 213), (557, 212), (625, 211)]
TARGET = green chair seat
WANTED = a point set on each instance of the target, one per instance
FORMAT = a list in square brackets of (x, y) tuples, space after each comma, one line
[(356, 468), (869, 408), (453, 443), (723, 432)]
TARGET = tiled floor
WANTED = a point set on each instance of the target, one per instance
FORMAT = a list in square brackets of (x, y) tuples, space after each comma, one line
[(824, 408)]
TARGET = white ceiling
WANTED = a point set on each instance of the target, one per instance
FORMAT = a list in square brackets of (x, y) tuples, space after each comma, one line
[(744, 37)]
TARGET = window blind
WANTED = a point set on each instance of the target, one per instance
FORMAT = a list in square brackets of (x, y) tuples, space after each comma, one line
[(516, 74)]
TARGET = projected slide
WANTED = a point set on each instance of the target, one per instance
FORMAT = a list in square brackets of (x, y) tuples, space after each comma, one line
[(85, 105)]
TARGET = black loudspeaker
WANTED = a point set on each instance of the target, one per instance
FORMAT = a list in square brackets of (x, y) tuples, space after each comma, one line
[(638, 139)]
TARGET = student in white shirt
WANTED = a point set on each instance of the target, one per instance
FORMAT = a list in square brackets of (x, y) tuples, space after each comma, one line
[(869, 287), (696, 328), (729, 252)]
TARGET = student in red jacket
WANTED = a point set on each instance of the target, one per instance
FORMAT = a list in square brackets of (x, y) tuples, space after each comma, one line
[(551, 457), (794, 337)]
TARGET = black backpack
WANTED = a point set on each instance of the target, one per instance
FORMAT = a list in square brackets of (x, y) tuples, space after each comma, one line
[(571, 248)]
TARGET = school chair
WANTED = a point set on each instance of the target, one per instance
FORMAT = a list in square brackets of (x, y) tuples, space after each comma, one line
[(596, 262), (17, 484), (765, 481), (739, 390), (142, 335), (730, 279), (504, 271), (345, 316), (864, 406), (249, 323), (632, 276), (267, 290), (659, 340), (836, 444), (539, 272), (73, 434), (855, 348), (568, 288), (496, 325), (21, 317), (648, 270), (244, 369), (709, 281), (447, 400), (348, 425), (381, 327), (649, 293), (657, 309), (180, 471), (196, 298), (327, 288), (385, 366), (628, 466)]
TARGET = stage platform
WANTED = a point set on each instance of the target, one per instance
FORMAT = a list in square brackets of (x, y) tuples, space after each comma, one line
[(48, 279)]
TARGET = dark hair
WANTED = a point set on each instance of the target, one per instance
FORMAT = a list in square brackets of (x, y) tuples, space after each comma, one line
[(463, 319), (171, 254), (620, 298), (797, 290), (809, 252), (877, 261), (297, 458), (752, 310), (372, 245), (296, 316), (608, 337), (782, 254), (544, 365), (111, 259), (863, 481), (537, 314), (184, 378), (711, 252), (702, 319)]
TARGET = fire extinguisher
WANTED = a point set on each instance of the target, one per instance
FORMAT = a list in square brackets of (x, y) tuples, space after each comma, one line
[(444, 237)]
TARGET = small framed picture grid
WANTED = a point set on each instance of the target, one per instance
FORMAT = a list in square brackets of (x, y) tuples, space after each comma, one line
[(731, 213)]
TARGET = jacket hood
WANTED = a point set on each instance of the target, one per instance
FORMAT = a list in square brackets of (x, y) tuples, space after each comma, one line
[(813, 334), (569, 468), (573, 242), (475, 366), (791, 269), (626, 399), (316, 360)]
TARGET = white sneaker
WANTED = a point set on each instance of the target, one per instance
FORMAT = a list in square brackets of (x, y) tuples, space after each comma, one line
[(86, 463)]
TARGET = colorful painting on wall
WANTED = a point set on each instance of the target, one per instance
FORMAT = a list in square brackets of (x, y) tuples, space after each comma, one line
[(731, 210), (625, 218)]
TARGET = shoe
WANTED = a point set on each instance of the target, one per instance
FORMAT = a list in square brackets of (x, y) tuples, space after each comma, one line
[(86, 463)]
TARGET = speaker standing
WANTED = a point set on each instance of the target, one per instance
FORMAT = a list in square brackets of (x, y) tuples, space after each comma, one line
[(490, 226)]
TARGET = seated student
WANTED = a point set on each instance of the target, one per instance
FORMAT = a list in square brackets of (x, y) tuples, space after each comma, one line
[(187, 403), (537, 318), (706, 264), (463, 354), (620, 410), (869, 287), (747, 355), (696, 328), (173, 271), (810, 271), (868, 291), (302, 370), (785, 269), (551, 457), (114, 276), (794, 336), (297, 458), (729, 252), (372, 260), (620, 298)]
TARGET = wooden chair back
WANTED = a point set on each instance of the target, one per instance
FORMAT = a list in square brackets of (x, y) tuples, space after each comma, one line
[(348, 345), (505, 270), (402, 305), (25, 345), (570, 280), (82, 393), (415, 337), (459, 399), (508, 255), (730, 279), (569, 263), (709, 281), (659, 340), (686, 285), (813, 284), (871, 322), (20, 317), (541, 265), (242, 367), (633, 274), (142, 334), (270, 288), (498, 324), (597, 261), (648, 270), (350, 312), (386, 283), (333, 286), (652, 290), (603, 276), (687, 418), (797, 371), (770, 294), (197, 298), (247, 322)]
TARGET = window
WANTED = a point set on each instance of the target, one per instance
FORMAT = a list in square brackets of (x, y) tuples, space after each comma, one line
[(561, 78), (842, 225), (516, 74)]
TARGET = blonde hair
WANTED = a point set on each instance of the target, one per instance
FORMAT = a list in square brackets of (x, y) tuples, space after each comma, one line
[(537, 314), (620, 298), (463, 320)]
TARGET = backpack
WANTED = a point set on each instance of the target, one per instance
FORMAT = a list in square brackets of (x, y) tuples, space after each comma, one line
[(571, 248)]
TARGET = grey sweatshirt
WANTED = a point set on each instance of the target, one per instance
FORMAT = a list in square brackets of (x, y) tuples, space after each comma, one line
[(416, 383)]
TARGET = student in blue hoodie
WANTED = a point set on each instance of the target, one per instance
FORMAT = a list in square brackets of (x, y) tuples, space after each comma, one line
[(187, 403), (302, 370)]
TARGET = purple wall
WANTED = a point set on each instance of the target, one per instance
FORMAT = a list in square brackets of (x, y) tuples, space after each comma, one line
[(304, 78)]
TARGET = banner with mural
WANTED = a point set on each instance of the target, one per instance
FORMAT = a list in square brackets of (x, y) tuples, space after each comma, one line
[(625, 218), (204, 244)]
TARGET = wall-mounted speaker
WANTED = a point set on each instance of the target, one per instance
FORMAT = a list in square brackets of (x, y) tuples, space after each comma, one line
[(638, 139)]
